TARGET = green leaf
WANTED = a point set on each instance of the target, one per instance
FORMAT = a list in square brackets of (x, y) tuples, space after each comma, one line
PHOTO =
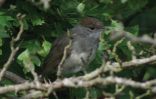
[(1, 43), (134, 30), (150, 73), (28, 65), (107, 16), (42, 53), (3, 33), (2, 13), (46, 46), (4, 20), (37, 21), (106, 1), (117, 26), (70, 6), (0, 52), (28, 60), (36, 60), (124, 1), (24, 55), (33, 46), (79, 93), (26, 25), (80, 7)]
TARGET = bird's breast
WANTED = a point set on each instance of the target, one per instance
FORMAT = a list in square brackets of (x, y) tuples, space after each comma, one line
[(82, 52), (76, 61)]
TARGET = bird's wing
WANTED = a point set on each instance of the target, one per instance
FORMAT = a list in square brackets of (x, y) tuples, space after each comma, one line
[(55, 55)]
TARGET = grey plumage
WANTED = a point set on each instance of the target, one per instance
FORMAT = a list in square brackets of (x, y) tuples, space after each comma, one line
[(84, 38)]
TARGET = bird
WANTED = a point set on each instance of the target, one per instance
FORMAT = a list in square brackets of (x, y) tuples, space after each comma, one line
[(82, 41)]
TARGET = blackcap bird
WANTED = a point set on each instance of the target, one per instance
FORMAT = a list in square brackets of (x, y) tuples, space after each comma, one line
[(79, 48)]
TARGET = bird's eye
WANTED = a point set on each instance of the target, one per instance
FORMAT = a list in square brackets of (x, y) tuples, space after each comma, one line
[(92, 28)]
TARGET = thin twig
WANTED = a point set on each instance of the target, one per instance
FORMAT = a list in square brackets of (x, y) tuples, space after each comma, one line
[(64, 55), (132, 49), (14, 77), (143, 39), (13, 49)]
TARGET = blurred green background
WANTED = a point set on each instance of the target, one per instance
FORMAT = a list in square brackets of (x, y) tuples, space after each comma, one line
[(44, 22)]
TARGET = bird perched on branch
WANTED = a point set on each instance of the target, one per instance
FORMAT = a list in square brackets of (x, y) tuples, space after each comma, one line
[(73, 52)]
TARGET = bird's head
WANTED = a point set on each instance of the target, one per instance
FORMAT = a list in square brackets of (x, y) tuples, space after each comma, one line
[(91, 23)]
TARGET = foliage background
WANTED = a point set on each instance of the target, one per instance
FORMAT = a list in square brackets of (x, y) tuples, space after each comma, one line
[(45, 22)]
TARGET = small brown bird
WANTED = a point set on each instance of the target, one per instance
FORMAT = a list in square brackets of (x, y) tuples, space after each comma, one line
[(84, 39)]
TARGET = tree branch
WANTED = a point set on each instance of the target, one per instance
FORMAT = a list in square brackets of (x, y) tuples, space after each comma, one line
[(77, 82), (13, 49)]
